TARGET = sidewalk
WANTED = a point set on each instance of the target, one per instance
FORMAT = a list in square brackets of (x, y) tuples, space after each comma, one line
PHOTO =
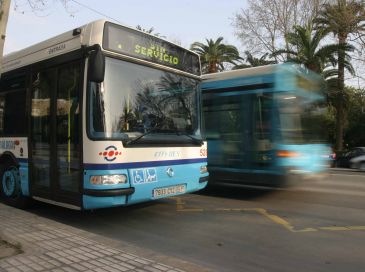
[(52, 246)]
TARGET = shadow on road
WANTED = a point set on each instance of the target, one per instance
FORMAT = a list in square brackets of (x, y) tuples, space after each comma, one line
[(238, 192), (81, 218)]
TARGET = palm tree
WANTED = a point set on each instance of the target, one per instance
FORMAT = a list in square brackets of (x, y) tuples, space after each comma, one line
[(214, 54), (343, 18), (307, 50), (254, 62), (332, 94), (149, 31)]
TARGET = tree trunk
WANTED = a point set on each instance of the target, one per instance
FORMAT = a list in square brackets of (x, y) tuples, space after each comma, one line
[(340, 111), (212, 67), (339, 124), (4, 14)]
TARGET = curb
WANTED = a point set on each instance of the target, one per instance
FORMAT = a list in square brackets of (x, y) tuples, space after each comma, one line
[(53, 246)]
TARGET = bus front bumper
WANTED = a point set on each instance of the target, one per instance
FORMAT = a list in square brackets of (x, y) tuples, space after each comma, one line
[(96, 199)]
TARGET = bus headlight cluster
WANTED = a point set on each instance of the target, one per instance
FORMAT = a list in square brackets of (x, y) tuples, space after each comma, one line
[(108, 179), (203, 169)]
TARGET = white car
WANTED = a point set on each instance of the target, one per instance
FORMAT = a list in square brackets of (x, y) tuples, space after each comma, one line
[(358, 162)]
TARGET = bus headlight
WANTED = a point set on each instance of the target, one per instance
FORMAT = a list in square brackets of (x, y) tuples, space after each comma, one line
[(108, 179), (203, 169)]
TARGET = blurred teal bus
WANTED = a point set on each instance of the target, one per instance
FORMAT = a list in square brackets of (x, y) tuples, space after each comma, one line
[(264, 125)]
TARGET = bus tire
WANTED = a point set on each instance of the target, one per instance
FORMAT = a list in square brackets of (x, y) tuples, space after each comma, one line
[(10, 187)]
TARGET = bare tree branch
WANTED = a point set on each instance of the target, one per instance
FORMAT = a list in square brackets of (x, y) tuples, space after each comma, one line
[(264, 24)]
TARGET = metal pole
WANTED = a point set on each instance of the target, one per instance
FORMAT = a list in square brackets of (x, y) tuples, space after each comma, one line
[(4, 15)]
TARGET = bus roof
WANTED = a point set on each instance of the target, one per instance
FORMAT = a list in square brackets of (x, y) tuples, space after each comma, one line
[(86, 35), (60, 44), (278, 77), (260, 70)]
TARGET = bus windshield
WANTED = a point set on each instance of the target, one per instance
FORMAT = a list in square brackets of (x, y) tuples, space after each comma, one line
[(134, 100), (300, 119)]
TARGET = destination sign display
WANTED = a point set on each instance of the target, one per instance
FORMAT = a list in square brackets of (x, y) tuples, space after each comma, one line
[(137, 44)]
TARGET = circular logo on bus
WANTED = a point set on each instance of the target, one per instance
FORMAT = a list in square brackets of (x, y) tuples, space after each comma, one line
[(110, 153), (170, 172)]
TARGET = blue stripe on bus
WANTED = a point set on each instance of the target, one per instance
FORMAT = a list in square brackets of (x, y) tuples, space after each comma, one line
[(278, 171), (270, 90), (238, 81), (22, 160), (97, 166)]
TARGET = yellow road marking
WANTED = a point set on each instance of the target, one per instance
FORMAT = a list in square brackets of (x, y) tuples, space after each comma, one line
[(343, 228), (280, 221), (222, 210), (356, 227), (333, 228), (191, 210), (180, 207)]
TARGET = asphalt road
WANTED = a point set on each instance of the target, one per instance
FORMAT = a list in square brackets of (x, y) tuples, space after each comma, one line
[(315, 226)]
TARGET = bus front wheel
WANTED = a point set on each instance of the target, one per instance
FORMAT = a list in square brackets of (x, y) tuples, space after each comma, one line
[(10, 189)]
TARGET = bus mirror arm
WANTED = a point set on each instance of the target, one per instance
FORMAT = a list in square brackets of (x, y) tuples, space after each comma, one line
[(96, 67)]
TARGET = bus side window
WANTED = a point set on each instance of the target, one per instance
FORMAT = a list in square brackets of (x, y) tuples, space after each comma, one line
[(13, 108), (68, 104), (263, 109), (2, 109), (43, 83)]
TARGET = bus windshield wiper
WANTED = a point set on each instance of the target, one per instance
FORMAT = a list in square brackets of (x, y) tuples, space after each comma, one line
[(178, 133), (133, 141), (194, 140)]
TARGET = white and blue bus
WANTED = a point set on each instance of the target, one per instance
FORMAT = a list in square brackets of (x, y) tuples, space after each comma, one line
[(100, 116), (264, 125)]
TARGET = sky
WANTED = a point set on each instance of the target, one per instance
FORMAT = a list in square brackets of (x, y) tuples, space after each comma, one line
[(181, 21)]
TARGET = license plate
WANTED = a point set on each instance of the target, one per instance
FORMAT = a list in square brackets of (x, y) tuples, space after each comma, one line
[(166, 191)]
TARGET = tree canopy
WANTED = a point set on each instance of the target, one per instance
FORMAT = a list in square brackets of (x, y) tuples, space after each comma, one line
[(214, 54)]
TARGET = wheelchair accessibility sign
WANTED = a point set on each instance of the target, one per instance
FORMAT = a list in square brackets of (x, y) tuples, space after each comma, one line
[(145, 175)]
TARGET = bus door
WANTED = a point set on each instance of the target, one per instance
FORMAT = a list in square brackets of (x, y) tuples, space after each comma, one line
[(262, 157), (55, 138), (228, 129)]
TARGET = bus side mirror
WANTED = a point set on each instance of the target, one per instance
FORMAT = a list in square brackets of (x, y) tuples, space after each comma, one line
[(96, 65)]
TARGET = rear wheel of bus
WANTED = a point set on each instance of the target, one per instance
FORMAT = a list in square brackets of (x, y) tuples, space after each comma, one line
[(10, 189)]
